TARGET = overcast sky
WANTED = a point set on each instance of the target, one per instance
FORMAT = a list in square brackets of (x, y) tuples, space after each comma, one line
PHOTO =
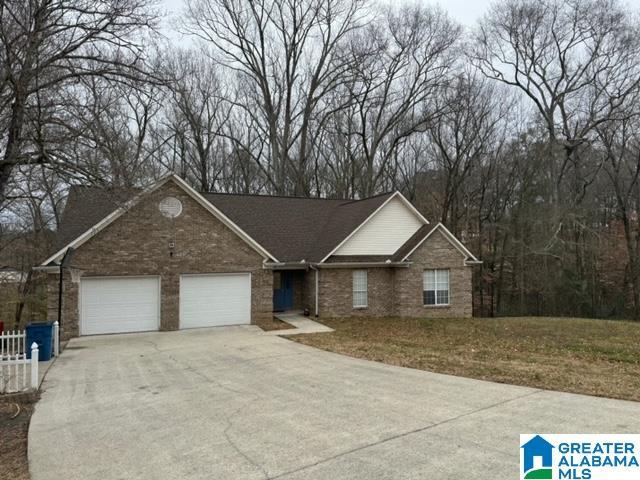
[(465, 11)]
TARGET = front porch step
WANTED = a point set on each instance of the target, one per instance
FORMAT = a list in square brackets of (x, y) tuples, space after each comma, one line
[(303, 325)]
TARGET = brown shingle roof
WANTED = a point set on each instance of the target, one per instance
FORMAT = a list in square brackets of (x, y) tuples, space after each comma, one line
[(294, 228), (291, 228), (413, 241), (85, 207)]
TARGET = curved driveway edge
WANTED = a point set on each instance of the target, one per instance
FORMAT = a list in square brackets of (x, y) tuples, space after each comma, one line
[(230, 403)]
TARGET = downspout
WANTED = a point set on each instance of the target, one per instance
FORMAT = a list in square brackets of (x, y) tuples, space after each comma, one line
[(60, 286), (63, 264), (317, 288)]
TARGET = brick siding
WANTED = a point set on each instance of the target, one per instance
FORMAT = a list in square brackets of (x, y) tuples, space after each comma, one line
[(398, 291), (435, 252), (138, 244), (336, 292)]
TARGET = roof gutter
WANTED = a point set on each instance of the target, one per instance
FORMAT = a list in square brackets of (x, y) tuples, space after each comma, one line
[(364, 264), (64, 263), (470, 263), (51, 268), (286, 265), (317, 265)]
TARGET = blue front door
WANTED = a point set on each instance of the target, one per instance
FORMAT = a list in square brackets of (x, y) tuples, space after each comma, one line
[(282, 291)]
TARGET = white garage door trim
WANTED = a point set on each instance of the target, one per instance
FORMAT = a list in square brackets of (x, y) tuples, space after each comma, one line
[(152, 324), (199, 311)]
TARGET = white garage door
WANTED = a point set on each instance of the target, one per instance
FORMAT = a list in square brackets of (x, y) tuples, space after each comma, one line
[(119, 304), (214, 300)]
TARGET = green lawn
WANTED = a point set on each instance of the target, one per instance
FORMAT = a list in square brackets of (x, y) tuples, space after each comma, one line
[(594, 357)]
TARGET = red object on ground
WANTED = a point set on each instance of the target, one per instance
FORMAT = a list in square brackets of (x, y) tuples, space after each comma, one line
[(1, 327)]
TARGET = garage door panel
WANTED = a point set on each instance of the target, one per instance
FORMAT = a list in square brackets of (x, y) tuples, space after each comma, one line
[(119, 305), (215, 300)]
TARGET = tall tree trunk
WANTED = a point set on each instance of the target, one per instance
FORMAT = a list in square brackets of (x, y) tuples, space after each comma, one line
[(12, 146)]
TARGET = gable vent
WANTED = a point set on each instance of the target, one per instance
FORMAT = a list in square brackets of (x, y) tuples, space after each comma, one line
[(170, 207)]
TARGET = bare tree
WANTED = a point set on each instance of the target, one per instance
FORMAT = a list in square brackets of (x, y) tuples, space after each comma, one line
[(470, 130), (621, 150), (31, 214), (405, 61), (50, 45), (577, 61), (104, 136), (198, 112), (288, 55)]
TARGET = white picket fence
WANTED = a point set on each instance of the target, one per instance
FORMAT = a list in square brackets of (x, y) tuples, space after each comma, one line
[(12, 342), (17, 372)]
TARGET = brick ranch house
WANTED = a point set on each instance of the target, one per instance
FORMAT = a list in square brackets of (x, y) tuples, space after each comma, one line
[(168, 257)]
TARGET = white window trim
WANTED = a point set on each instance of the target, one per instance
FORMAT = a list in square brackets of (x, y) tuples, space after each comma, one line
[(364, 290), (436, 290)]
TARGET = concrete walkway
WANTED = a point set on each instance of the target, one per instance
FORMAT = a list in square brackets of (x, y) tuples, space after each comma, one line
[(303, 325), (231, 403)]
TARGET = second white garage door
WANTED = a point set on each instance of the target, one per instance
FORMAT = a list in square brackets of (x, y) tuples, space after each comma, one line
[(214, 300)]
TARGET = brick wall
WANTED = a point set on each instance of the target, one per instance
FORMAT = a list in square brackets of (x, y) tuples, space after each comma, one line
[(309, 291), (435, 252), (297, 278), (398, 291), (69, 325), (138, 244), (336, 292)]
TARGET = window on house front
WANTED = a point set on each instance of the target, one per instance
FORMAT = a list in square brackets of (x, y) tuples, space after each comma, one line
[(360, 289), (435, 290)]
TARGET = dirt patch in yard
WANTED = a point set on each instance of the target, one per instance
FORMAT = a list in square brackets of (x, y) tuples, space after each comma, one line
[(275, 324), (15, 414), (593, 357)]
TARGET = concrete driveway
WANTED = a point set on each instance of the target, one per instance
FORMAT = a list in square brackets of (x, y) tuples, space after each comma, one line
[(232, 403)]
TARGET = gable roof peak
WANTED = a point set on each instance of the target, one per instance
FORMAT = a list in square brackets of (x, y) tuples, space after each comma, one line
[(424, 233), (114, 210)]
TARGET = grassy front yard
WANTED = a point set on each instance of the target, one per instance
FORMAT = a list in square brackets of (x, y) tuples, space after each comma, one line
[(594, 357)]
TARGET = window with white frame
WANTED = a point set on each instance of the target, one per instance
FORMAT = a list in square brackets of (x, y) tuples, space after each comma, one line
[(435, 290), (360, 289)]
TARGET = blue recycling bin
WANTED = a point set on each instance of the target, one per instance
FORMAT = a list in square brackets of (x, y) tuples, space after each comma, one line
[(42, 334)]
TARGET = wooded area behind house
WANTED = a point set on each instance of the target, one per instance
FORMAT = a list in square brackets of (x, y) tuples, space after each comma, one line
[(521, 134)]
